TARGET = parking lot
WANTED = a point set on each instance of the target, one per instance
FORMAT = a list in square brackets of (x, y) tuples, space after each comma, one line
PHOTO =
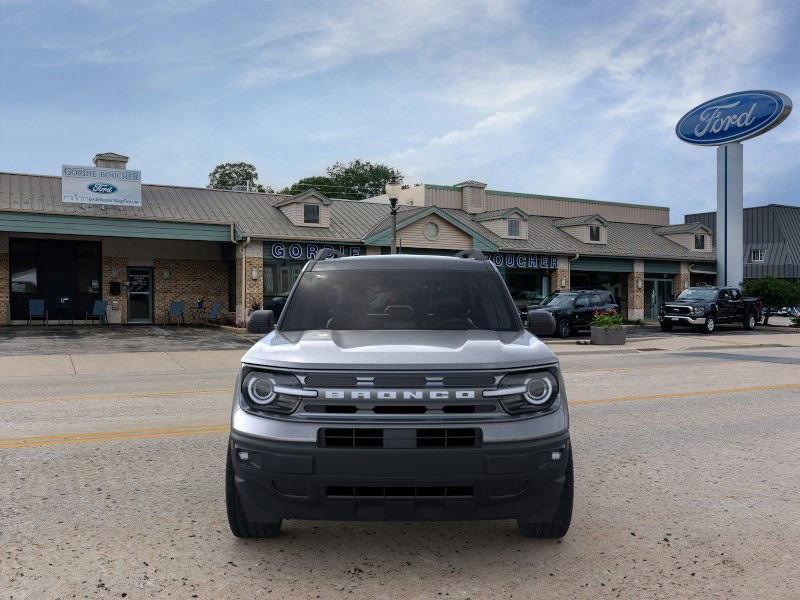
[(687, 482)]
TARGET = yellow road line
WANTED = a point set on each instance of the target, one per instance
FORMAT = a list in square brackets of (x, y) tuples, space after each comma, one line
[(691, 394), (109, 436), (115, 396), (136, 434)]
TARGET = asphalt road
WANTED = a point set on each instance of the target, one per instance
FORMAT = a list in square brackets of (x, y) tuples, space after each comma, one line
[(687, 485)]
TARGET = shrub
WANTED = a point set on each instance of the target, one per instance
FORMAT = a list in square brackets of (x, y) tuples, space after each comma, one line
[(607, 319)]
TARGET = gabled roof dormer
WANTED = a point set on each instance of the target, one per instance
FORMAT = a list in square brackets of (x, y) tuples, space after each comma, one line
[(693, 236), (307, 209), (589, 229), (509, 223)]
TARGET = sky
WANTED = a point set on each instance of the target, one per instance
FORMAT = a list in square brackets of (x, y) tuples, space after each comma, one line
[(574, 99)]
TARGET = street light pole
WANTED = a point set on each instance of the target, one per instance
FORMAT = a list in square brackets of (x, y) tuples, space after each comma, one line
[(393, 188), (393, 203)]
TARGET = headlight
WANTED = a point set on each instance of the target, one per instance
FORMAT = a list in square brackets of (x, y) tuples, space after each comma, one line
[(260, 388), (263, 391), (527, 392), (698, 310)]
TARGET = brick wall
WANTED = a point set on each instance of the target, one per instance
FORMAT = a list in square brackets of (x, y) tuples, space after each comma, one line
[(116, 269), (559, 278), (683, 280), (4, 288), (188, 280), (253, 257), (636, 291)]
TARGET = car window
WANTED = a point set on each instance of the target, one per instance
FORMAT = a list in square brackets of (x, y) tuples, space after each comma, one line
[(724, 295), (582, 302), (697, 294), (398, 299), (735, 295), (597, 300), (558, 300)]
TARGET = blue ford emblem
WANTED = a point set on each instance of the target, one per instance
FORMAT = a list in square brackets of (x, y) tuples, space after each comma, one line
[(733, 117), (101, 188)]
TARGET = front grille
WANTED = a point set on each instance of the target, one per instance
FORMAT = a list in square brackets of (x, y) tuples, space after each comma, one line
[(400, 409), (677, 310), (447, 438), (352, 438), (345, 437), (421, 492)]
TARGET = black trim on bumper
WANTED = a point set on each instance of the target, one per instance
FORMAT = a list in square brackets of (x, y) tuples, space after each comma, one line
[(303, 481)]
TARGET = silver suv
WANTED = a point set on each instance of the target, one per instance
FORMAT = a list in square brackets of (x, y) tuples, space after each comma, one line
[(399, 388)]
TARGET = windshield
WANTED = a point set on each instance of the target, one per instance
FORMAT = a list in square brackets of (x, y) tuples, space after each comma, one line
[(412, 299), (698, 294), (560, 300)]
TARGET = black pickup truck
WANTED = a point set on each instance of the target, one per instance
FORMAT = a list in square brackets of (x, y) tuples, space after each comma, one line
[(706, 307)]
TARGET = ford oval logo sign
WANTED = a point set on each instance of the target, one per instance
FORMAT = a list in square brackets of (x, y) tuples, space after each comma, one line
[(101, 188), (733, 117)]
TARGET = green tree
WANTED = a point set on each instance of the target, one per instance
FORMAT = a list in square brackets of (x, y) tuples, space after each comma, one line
[(774, 292), (318, 182), (228, 175), (355, 180)]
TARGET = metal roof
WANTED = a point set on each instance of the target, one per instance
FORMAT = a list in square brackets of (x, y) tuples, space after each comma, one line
[(253, 213), (682, 228), (582, 220)]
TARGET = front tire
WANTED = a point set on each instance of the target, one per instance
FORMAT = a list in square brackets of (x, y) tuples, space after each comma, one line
[(750, 321), (240, 526), (710, 325), (564, 329), (558, 527)]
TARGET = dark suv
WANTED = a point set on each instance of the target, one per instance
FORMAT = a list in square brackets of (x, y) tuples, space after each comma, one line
[(574, 310)]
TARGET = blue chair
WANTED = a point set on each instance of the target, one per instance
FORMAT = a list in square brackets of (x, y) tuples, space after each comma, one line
[(176, 310), (99, 311), (37, 310), (213, 315)]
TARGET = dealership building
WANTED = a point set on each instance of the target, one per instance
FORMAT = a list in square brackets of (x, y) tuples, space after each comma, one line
[(242, 249)]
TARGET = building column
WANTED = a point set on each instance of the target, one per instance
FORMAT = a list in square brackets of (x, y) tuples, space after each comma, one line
[(682, 280), (559, 277), (116, 269), (636, 291), (249, 289), (5, 291)]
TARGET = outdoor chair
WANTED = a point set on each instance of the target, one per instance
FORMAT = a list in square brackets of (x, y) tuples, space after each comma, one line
[(37, 310), (176, 310), (99, 312), (214, 315)]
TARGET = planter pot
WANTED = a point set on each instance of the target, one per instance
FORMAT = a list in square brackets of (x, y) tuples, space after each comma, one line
[(611, 336)]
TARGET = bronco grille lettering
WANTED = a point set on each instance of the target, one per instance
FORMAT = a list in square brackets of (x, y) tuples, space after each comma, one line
[(398, 394)]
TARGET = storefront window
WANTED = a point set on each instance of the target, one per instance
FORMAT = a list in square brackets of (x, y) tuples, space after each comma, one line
[(23, 267), (87, 268)]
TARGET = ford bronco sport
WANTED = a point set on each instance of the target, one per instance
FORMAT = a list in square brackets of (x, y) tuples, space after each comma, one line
[(404, 388)]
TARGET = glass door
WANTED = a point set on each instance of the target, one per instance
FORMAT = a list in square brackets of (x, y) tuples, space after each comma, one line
[(656, 292), (140, 295)]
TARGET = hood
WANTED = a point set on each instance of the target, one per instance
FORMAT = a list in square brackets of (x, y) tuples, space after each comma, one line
[(403, 349)]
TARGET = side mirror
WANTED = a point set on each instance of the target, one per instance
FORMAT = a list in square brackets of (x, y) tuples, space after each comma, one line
[(541, 322), (261, 321)]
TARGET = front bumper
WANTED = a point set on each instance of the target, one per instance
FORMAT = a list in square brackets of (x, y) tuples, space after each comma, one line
[(682, 320), (280, 480)]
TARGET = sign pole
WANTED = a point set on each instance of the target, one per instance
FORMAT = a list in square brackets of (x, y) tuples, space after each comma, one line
[(730, 202)]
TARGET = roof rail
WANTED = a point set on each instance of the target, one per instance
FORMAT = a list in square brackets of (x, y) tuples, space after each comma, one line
[(472, 253), (327, 253)]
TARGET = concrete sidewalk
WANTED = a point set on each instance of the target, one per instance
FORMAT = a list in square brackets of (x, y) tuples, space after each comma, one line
[(682, 341), (120, 362), (210, 361)]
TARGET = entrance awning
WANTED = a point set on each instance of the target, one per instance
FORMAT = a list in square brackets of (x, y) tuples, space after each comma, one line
[(703, 269), (22, 222)]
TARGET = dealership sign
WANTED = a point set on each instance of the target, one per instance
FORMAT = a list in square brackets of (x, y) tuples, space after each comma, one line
[(94, 185), (302, 251), (733, 117), (522, 261)]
